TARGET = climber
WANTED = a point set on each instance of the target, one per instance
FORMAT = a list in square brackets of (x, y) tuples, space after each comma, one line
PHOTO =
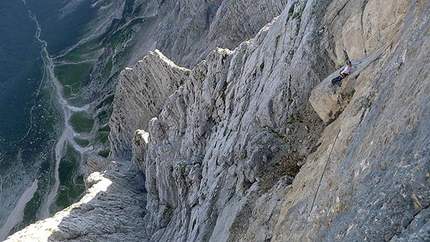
[(342, 74)]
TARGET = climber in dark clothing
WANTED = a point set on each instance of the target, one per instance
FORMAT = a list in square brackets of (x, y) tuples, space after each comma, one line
[(342, 74)]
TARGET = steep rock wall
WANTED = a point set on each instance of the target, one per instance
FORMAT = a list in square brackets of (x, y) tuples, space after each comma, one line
[(140, 95), (211, 148), (185, 31), (122, 33), (221, 156), (369, 179), (239, 123)]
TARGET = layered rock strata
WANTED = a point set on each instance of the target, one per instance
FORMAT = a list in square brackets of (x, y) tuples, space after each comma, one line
[(140, 95), (240, 122), (206, 192), (221, 158)]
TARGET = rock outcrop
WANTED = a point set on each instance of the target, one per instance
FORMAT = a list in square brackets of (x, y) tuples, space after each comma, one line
[(240, 122), (184, 31), (254, 145), (111, 210), (212, 146), (370, 176), (141, 91)]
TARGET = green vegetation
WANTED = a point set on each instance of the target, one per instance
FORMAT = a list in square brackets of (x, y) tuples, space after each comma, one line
[(102, 137), (83, 51), (298, 14), (104, 116), (291, 10), (104, 153), (81, 122), (106, 102), (106, 108), (116, 39), (105, 128), (73, 77), (107, 69), (295, 13), (30, 209), (71, 181), (81, 142), (245, 154), (277, 41)]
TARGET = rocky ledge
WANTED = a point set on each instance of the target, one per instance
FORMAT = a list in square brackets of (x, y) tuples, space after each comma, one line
[(111, 210)]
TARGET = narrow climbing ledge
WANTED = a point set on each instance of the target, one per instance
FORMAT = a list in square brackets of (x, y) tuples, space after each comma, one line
[(329, 101)]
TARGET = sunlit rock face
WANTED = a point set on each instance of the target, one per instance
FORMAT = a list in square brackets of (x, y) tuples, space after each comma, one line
[(111, 209), (186, 32), (244, 114), (141, 90), (254, 144)]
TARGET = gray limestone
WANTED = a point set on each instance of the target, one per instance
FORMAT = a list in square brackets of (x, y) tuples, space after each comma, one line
[(140, 95), (111, 210), (253, 144)]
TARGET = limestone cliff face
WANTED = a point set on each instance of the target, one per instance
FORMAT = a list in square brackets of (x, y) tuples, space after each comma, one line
[(141, 91), (370, 176), (238, 124), (185, 31), (253, 144), (243, 119)]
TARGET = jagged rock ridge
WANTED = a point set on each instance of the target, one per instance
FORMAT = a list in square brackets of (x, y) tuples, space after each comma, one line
[(203, 169), (154, 78), (220, 157)]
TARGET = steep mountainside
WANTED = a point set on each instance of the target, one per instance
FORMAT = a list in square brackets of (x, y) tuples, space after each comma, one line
[(122, 32), (254, 144), (87, 44)]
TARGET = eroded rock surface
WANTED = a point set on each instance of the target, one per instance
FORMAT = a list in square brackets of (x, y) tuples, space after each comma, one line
[(111, 210), (222, 157), (369, 179), (140, 95)]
